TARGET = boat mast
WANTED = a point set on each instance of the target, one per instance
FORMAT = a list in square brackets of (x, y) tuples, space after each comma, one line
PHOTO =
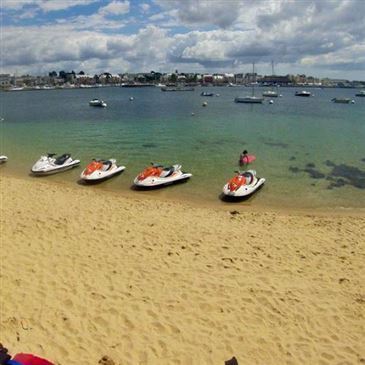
[(254, 78)]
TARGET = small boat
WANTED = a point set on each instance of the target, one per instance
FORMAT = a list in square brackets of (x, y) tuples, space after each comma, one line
[(303, 93), (3, 159), (270, 93), (97, 102), (205, 93), (249, 100), (361, 93), (243, 185), (49, 164), (205, 103), (157, 175), (99, 170), (343, 100)]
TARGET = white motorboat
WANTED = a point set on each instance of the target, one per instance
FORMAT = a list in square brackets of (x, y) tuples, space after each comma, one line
[(97, 102), (270, 94), (361, 93), (206, 93), (303, 93), (243, 184), (99, 170), (49, 164), (3, 159), (157, 175)]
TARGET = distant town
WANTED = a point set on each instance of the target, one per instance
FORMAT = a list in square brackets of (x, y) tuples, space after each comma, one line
[(64, 79)]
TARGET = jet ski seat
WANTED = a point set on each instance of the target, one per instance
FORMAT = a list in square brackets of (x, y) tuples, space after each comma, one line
[(62, 159), (107, 165), (167, 171), (249, 177)]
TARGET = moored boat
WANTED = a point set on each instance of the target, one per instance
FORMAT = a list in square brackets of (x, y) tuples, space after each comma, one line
[(249, 100), (303, 93), (98, 103), (361, 93), (343, 100), (270, 93)]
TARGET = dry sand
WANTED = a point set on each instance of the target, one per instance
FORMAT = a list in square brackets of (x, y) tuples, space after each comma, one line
[(86, 274)]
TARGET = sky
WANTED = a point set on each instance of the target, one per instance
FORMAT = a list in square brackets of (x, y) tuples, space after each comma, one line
[(322, 38)]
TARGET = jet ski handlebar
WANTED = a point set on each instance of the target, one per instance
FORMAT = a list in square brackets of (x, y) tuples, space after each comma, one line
[(51, 154), (156, 164)]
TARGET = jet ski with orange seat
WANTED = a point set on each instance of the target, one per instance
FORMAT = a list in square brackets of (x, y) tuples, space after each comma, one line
[(157, 175), (50, 164), (99, 170), (244, 184)]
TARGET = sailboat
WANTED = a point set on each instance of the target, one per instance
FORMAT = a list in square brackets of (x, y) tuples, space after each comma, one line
[(271, 93), (250, 99)]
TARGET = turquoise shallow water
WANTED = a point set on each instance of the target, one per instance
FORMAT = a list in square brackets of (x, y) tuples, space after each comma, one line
[(158, 126)]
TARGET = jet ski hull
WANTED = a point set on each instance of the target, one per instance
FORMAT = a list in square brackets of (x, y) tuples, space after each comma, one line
[(55, 169), (244, 191), (152, 181), (98, 176), (3, 159)]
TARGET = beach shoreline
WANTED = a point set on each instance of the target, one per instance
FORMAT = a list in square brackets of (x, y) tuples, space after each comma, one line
[(87, 273), (250, 205)]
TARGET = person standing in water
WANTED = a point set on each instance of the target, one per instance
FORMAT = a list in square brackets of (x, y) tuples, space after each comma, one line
[(244, 160)]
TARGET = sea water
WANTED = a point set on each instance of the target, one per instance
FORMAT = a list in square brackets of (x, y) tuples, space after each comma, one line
[(310, 150)]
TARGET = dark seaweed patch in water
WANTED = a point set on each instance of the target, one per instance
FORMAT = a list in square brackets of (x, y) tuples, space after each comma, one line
[(353, 175), (340, 175), (329, 163), (294, 169), (149, 145), (314, 174), (336, 183), (310, 165), (218, 142), (276, 144), (292, 158)]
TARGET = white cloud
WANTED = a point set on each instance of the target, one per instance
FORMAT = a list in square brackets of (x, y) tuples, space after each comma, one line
[(145, 7), (227, 35), (45, 5), (115, 8)]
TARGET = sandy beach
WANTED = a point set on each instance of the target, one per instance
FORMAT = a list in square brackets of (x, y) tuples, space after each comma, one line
[(86, 274)]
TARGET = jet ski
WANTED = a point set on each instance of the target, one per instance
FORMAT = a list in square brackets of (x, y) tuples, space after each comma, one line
[(99, 170), (3, 159), (49, 164), (157, 175), (243, 184)]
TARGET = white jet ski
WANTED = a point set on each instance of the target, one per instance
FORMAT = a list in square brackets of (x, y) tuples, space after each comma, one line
[(157, 175), (99, 170), (98, 102), (3, 159), (243, 184), (49, 164)]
